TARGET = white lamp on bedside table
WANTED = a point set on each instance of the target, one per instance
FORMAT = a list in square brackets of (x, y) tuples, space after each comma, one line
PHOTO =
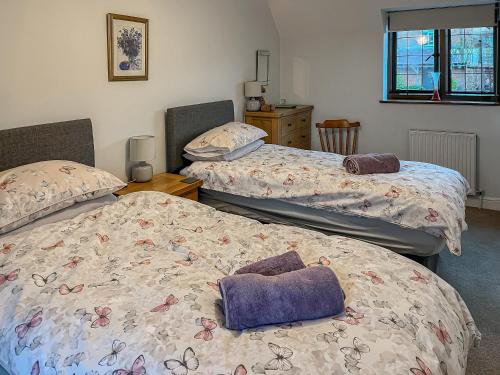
[(142, 149), (253, 91)]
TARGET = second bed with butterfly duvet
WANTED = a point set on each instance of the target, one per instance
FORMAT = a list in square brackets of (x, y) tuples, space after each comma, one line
[(132, 288)]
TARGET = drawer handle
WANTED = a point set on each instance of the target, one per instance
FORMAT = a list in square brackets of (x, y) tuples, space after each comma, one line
[(303, 136), (303, 120), (289, 124), (289, 142)]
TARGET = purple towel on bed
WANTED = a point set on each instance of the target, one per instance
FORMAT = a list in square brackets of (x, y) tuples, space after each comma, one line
[(289, 261), (371, 163), (253, 300)]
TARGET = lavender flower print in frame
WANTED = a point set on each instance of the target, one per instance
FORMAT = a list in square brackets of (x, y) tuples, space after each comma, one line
[(127, 48)]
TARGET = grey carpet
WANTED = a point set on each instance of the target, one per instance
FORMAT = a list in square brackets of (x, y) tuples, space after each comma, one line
[(476, 275)]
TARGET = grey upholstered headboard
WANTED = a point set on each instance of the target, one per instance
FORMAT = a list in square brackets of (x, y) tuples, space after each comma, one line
[(68, 140), (183, 124)]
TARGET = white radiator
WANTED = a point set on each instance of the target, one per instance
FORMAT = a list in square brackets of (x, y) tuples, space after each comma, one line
[(452, 150)]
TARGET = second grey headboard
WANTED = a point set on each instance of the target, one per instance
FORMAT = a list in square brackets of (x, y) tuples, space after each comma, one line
[(68, 140), (183, 124)]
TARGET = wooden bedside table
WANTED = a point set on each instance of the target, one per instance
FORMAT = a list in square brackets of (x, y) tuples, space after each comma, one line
[(167, 183)]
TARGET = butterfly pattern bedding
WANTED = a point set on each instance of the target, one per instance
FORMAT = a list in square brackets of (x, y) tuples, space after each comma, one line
[(132, 288), (421, 196)]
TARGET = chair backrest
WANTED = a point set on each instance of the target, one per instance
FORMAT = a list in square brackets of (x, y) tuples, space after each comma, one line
[(331, 135)]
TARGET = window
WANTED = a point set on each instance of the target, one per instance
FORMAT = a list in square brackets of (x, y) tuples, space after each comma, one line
[(471, 59), (441, 40), (414, 60)]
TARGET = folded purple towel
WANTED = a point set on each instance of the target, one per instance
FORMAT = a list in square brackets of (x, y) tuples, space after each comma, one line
[(253, 300), (371, 163), (289, 261)]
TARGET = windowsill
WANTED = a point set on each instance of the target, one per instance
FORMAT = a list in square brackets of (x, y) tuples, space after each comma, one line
[(443, 102)]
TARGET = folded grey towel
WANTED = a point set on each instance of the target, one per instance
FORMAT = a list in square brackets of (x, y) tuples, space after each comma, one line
[(253, 300), (289, 261), (371, 163)]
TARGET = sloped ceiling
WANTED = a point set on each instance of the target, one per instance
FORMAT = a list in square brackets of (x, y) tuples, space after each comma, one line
[(299, 17)]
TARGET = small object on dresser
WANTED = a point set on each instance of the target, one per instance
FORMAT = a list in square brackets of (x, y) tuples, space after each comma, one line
[(268, 108), (142, 149), (253, 91)]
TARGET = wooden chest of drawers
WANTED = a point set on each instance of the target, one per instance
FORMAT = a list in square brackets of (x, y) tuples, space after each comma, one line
[(286, 127)]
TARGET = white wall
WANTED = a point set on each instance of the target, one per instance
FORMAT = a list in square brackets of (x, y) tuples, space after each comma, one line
[(332, 57), (53, 65)]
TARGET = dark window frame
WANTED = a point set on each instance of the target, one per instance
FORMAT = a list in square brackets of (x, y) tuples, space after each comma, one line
[(442, 63)]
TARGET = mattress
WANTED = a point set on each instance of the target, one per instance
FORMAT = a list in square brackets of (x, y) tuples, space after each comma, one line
[(128, 287), (399, 239), (420, 196)]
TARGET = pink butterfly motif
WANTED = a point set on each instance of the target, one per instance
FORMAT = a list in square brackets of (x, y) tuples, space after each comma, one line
[(365, 206), (7, 247), (208, 326), (346, 183), (292, 245), (422, 370), (7, 182), (137, 368), (103, 238), (188, 260), (394, 192), (290, 180), (73, 262), (240, 370), (419, 278), (261, 236), (35, 321), (306, 169), (268, 192), (179, 240), (214, 286), (169, 301), (374, 277), (11, 276), (198, 230), (433, 215), (230, 180), (146, 242), (64, 289), (322, 261), (35, 369), (166, 203), (351, 317), (441, 332), (224, 240), (102, 320), (143, 223), (66, 169), (59, 243), (317, 192)]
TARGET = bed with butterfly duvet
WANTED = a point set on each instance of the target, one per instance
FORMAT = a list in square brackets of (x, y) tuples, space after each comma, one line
[(132, 288)]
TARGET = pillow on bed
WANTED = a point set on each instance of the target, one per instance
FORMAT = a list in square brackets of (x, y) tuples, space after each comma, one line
[(216, 156), (36, 190), (225, 138)]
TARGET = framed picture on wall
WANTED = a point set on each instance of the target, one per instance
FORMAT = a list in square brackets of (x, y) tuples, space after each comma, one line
[(127, 48)]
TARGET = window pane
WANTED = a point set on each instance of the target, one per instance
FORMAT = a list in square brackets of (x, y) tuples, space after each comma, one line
[(472, 60), (401, 82), (457, 82), (414, 60)]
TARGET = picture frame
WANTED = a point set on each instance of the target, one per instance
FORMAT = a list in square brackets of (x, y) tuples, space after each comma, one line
[(128, 48)]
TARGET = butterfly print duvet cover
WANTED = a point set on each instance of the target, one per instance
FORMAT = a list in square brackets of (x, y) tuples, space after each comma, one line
[(99, 315), (421, 196)]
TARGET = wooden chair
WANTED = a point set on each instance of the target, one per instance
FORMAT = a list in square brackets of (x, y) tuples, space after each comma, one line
[(331, 135)]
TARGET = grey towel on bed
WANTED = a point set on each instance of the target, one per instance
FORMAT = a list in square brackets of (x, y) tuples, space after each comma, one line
[(371, 163), (253, 300), (289, 261)]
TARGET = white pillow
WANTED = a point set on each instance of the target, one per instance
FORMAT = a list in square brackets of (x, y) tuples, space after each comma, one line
[(32, 191), (215, 156), (225, 138)]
